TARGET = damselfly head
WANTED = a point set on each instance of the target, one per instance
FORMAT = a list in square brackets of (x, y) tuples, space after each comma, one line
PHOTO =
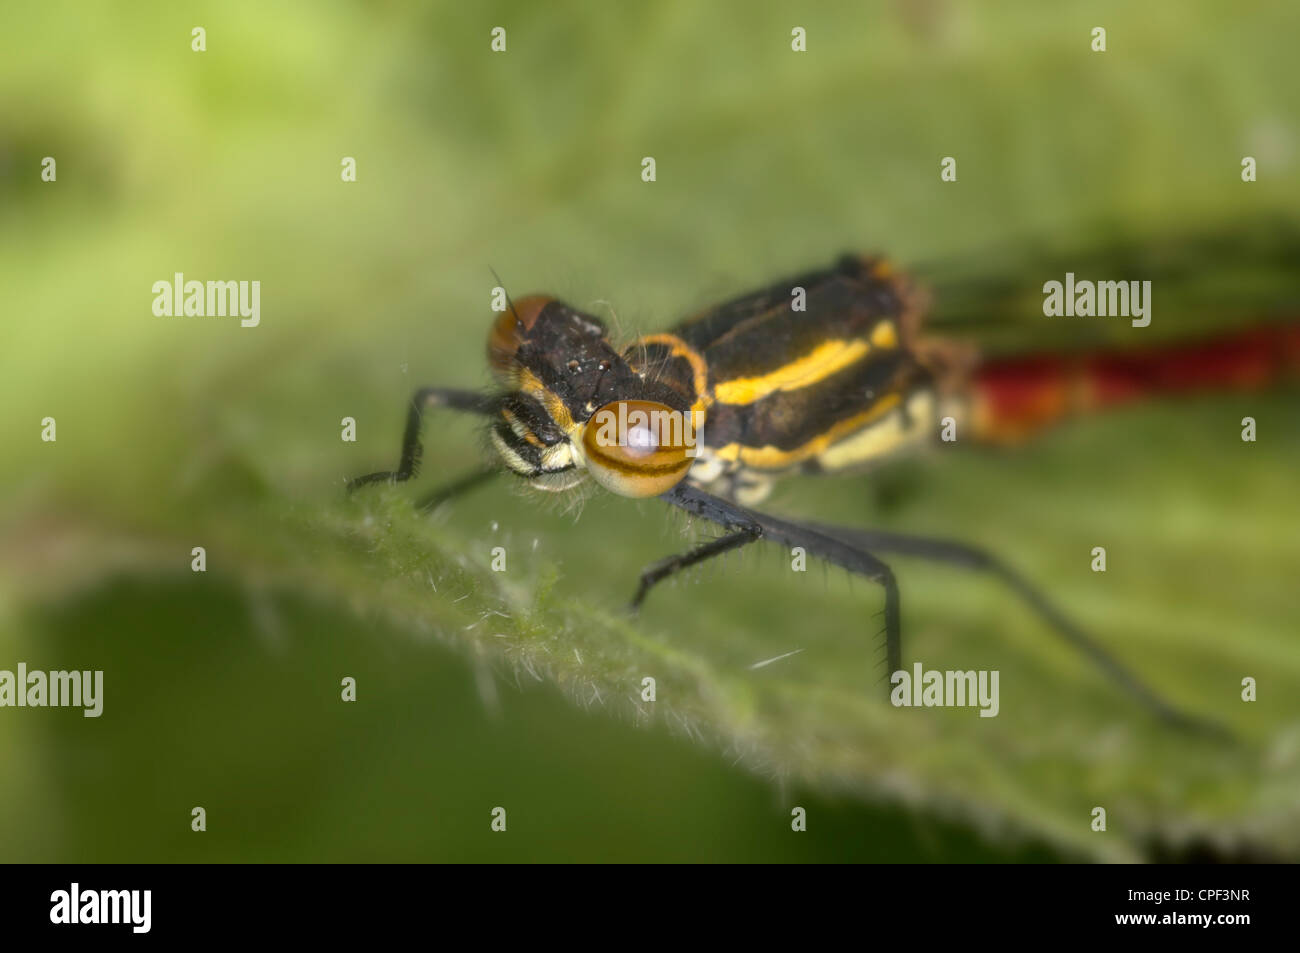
[(577, 405), (543, 338)]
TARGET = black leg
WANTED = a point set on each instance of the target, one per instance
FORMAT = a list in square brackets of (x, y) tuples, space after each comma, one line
[(666, 567), (969, 557), (409, 464), (815, 541)]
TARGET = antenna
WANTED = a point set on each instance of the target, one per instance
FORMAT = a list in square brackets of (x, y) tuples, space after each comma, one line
[(502, 285)]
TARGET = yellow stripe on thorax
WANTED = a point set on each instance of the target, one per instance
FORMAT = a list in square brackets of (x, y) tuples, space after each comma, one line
[(822, 362), (774, 458), (699, 370)]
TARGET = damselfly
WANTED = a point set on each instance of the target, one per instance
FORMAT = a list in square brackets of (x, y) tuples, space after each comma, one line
[(823, 372)]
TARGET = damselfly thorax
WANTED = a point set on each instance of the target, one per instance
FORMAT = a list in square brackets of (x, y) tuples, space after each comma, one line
[(815, 373)]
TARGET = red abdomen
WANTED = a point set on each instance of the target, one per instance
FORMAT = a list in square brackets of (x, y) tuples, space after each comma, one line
[(1015, 396)]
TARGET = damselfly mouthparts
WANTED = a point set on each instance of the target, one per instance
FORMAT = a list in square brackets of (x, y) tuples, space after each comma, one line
[(822, 372)]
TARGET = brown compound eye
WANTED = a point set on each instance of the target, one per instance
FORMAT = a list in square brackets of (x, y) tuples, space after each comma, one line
[(638, 447), (508, 330)]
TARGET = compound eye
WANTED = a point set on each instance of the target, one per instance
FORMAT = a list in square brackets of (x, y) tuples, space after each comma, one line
[(638, 447), (508, 331)]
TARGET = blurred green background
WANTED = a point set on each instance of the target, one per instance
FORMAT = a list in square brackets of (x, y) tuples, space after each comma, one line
[(521, 689)]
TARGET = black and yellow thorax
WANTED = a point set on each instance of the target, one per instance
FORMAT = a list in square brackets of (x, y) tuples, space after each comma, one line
[(811, 373)]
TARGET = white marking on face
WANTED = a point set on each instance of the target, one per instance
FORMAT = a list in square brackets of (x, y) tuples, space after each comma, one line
[(559, 482), (517, 425), (508, 453), (560, 456)]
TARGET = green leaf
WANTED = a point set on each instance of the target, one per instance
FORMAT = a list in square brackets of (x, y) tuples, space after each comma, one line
[(176, 432)]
